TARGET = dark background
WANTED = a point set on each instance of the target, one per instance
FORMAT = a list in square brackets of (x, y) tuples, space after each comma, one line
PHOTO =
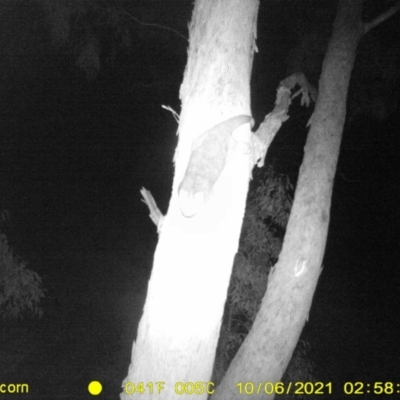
[(76, 151)]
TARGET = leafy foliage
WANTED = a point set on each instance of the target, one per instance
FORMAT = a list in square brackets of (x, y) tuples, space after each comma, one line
[(300, 368), (267, 213), (20, 288)]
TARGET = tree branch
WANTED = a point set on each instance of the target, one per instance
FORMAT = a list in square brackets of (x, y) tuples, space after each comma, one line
[(122, 11), (273, 121), (381, 18), (155, 214)]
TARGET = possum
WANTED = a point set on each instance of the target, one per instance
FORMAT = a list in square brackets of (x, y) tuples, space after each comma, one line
[(207, 160)]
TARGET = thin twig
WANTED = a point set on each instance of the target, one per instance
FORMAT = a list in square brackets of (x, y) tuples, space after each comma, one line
[(152, 24), (381, 18)]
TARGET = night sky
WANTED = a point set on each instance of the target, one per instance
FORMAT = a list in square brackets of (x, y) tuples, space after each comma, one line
[(75, 153)]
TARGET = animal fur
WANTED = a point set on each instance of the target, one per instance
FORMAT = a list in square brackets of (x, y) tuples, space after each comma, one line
[(207, 160)]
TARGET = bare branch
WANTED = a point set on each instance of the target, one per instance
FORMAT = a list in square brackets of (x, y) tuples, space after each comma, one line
[(381, 18), (152, 24), (273, 121), (155, 214)]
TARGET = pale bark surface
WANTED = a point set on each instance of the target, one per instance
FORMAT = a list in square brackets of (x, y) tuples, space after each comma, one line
[(268, 348), (179, 330)]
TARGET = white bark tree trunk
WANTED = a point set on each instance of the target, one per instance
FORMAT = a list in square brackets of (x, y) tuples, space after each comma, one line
[(267, 350), (179, 330)]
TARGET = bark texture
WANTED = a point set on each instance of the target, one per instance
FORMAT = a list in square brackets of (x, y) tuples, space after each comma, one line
[(268, 348), (179, 330)]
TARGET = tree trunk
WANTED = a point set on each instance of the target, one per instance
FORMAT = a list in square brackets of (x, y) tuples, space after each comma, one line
[(179, 330), (267, 350)]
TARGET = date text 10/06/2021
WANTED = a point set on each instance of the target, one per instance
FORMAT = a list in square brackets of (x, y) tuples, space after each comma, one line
[(249, 388)]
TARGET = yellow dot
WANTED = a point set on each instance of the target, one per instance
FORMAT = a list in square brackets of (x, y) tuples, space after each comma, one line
[(95, 388)]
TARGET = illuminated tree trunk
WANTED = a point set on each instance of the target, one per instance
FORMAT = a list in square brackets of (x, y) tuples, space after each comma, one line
[(179, 330), (267, 350)]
